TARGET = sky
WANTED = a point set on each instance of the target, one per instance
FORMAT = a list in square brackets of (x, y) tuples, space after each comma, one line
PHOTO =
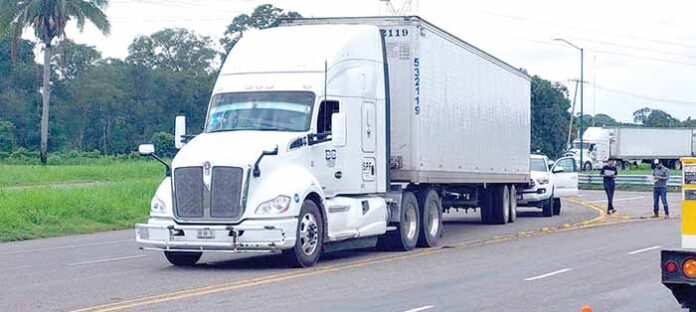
[(637, 53)]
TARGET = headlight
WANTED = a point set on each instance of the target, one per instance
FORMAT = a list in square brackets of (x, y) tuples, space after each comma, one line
[(279, 204), (542, 181), (157, 207)]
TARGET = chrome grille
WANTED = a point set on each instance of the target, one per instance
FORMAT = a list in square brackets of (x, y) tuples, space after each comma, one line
[(226, 192), (195, 202), (189, 189)]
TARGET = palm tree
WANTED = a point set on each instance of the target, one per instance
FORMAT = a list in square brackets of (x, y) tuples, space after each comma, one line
[(48, 18)]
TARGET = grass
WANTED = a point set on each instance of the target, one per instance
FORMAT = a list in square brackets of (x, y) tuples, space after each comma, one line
[(38, 201), (116, 171), (644, 169)]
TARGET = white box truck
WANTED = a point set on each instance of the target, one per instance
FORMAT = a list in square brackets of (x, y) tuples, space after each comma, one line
[(635, 144), (328, 134)]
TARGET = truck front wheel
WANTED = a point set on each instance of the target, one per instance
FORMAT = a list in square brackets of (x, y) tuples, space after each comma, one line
[(547, 208), (556, 206), (587, 166), (405, 237), (179, 258), (431, 218), (309, 237)]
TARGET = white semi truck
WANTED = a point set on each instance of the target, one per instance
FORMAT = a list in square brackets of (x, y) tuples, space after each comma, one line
[(328, 134), (634, 144)]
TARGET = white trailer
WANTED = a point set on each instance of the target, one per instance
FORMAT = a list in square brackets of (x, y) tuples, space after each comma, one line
[(327, 134), (634, 144)]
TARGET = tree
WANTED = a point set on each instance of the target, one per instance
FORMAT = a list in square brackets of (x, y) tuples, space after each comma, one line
[(49, 18), (71, 59), (7, 137), (550, 116), (641, 115), (601, 120), (660, 119), (264, 16), (172, 49)]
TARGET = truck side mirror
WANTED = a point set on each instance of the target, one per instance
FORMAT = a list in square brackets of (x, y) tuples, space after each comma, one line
[(146, 149), (179, 131), (149, 150), (338, 129)]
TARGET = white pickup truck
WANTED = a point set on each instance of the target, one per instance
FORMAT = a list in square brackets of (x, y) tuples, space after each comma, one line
[(549, 182)]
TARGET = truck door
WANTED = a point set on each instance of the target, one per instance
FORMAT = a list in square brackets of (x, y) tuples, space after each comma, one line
[(325, 161), (565, 177)]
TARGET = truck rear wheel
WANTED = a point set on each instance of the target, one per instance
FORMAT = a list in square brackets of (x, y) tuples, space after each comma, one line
[(431, 218), (486, 205), (309, 238), (500, 204), (405, 237), (179, 258), (513, 204)]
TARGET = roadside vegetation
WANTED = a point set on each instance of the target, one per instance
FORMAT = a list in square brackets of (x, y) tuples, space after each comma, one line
[(95, 194)]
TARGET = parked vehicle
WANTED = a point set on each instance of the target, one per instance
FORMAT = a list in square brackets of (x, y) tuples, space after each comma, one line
[(679, 265), (548, 183), (633, 145), (328, 134)]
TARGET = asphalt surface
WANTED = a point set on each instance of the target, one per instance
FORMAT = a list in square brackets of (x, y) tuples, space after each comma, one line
[(536, 264)]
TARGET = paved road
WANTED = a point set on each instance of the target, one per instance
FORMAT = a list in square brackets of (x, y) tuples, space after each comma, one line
[(536, 264)]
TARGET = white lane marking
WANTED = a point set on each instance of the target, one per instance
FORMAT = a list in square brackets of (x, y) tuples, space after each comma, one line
[(65, 247), (423, 308), (548, 274), (106, 260), (621, 199), (644, 250)]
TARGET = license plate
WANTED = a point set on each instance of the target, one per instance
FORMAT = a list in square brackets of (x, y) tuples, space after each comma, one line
[(206, 234)]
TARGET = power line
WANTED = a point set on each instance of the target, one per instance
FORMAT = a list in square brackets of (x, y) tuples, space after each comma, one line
[(641, 96), (632, 37)]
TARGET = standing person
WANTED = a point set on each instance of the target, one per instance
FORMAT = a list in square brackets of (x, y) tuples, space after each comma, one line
[(609, 173), (661, 175)]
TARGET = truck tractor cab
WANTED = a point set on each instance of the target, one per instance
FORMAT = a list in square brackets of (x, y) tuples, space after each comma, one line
[(291, 106)]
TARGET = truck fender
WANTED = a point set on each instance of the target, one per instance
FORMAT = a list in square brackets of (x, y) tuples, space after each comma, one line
[(289, 180)]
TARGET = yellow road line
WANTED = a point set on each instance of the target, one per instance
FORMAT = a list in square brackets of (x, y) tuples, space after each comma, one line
[(200, 291)]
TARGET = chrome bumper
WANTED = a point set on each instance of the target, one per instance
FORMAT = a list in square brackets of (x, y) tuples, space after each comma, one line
[(217, 238)]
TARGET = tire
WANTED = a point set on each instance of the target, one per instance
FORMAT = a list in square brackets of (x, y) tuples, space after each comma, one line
[(486, 205), (431, 218), (513, 204), (556, 206), (501, 204), (587, 166), (183, 259), (547, 208), (405, 237), (309, 237)]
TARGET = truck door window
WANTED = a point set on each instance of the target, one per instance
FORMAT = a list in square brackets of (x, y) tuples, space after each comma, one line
[(568, 165), (326, 109)]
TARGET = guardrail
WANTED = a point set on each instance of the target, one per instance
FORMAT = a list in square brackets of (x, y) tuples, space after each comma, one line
[(626, 180)]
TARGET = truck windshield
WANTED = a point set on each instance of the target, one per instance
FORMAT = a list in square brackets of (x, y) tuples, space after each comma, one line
[(537, 164), (267, 110)]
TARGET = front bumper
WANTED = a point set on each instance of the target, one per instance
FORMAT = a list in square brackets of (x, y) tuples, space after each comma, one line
[(249, 236), (534, 195)]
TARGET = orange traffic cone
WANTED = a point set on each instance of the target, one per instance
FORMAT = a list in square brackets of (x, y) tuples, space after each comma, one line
[(586, 308)]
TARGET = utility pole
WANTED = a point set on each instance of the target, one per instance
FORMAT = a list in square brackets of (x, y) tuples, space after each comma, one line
[(582, 83)]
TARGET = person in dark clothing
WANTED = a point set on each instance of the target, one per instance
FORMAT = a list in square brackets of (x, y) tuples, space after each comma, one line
[(609, 173), (661, 175)]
